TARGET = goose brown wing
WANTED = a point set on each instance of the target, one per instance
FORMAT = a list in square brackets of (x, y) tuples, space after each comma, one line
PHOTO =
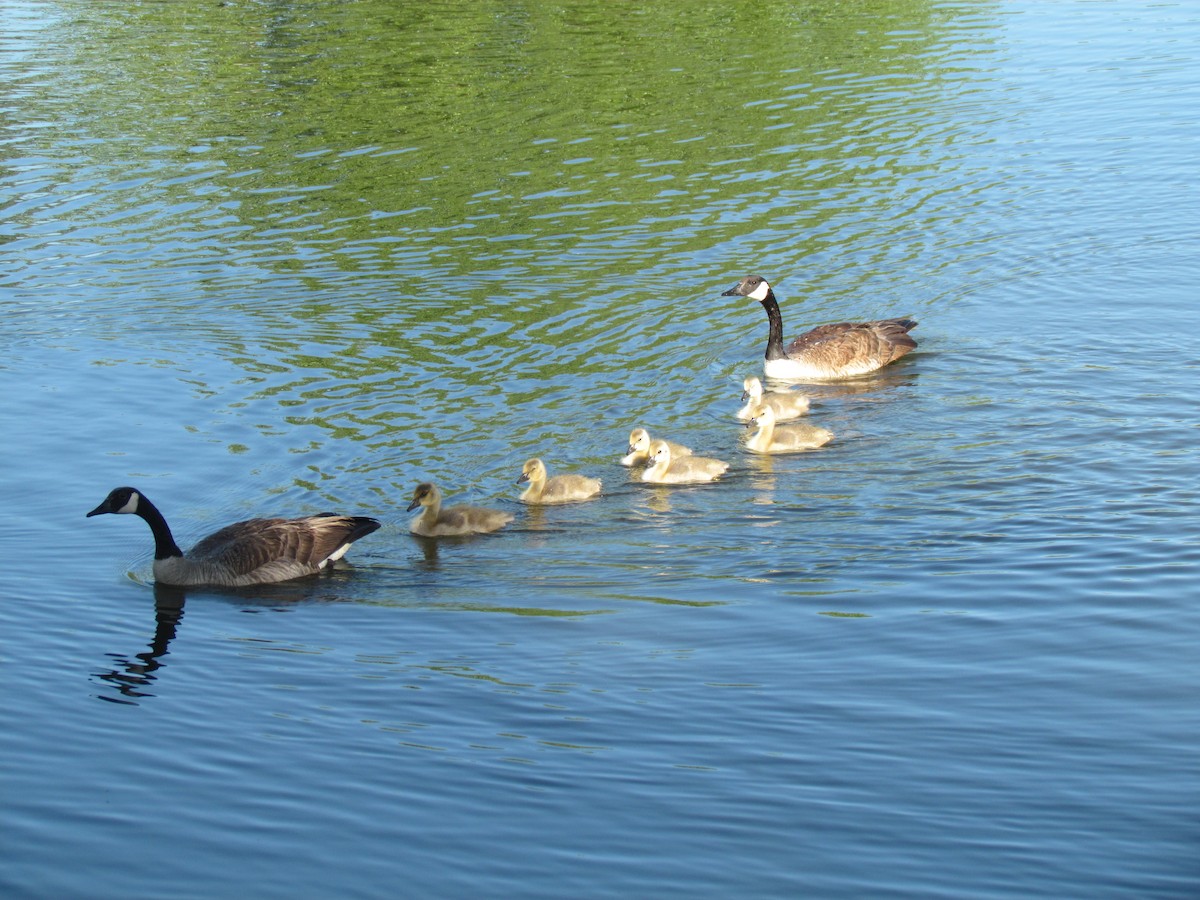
[(246, 546), (820, 335), (844, 343)]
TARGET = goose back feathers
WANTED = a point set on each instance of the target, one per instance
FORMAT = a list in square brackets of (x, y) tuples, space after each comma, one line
[(256, 551), (839, 350)]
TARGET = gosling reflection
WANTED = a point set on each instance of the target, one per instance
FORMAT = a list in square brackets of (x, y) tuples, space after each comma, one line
[(431, 547), (762, 477), (136, 674)]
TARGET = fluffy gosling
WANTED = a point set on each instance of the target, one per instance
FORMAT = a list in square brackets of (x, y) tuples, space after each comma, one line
[(772, 438), (453, 520), (639, 448), (785, 404), (544, 488), (666, 469)]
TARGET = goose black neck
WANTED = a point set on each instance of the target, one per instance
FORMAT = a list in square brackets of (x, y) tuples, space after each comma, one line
[(775, 334), (164, 544)]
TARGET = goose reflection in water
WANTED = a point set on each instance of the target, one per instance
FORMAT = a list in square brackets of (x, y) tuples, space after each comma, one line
[(137, 673)]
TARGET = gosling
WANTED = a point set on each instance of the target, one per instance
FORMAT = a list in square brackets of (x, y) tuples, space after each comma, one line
[(557, 489), (453, 520), (772, 438), (664, 469), (639, 448), (785, 404)]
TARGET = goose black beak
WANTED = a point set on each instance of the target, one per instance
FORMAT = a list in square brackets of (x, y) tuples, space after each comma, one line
[(732, 292), (97, 511)]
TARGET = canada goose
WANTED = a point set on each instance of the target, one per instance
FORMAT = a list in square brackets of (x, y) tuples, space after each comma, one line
[(639, 448), (257, 551), (785, 404), (771, 438), (664, 469), (454, 520), (556, 489), (827, 351)]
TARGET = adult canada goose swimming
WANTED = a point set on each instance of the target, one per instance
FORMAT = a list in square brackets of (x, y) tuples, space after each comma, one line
[(839, 350), (257, 551), (785, 404), (772, 438), (453, 520), (557, 489), (664, 469), (639, 448)]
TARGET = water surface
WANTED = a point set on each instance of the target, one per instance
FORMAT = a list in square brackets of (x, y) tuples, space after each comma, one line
[(277, 259)]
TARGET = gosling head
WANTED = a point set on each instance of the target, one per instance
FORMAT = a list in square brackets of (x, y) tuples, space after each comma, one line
[(425, 494), (751, 387), (660, 453), (119, 500), (753, 286), (533, 470), (764, 419), (639, 440)]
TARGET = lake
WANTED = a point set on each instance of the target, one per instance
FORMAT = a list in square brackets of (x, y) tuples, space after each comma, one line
[(276, 259)]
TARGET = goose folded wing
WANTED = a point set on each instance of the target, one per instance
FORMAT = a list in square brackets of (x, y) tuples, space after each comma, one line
[(843, 343), (248, 546)]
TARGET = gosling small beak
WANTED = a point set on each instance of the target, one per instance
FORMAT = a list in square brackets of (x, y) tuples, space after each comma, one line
[(632, 449), (745, 396), (524, 478), (413, 505)]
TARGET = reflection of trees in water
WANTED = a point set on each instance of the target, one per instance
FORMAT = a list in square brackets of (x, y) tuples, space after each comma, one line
[(476, 216)]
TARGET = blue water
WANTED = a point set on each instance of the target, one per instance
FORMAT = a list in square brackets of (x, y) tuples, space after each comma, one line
[(277, 260)]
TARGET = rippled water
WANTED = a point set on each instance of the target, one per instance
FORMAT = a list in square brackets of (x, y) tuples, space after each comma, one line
[(274, 259)]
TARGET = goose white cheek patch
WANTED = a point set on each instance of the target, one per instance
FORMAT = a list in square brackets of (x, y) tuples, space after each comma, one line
[(131, 505), (760, 292)]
